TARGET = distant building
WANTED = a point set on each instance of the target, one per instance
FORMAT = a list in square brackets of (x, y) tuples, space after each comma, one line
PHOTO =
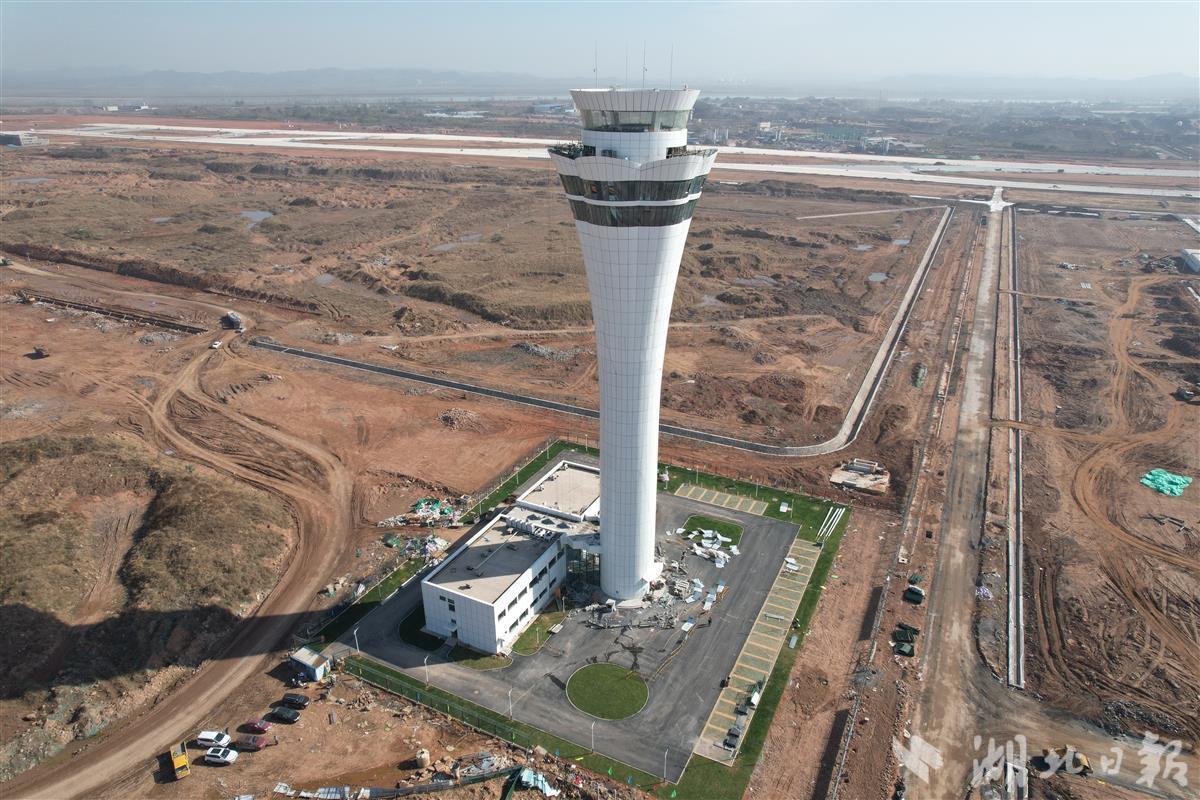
[(1191, 260), (24, 139), (764, 127)]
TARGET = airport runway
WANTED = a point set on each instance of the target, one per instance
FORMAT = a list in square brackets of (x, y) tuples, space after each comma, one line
[(859, 165)]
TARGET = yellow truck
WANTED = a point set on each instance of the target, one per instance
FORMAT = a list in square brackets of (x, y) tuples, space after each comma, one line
[(1067, 758), (179, 761)]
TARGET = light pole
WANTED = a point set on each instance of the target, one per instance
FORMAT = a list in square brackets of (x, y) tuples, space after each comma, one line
[(665, 763), (427, 669), (593, 736), (510, 702), (356, 642)]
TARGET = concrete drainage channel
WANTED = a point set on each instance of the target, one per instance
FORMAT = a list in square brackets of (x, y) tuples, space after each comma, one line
[(1016, 502), (856, 415)]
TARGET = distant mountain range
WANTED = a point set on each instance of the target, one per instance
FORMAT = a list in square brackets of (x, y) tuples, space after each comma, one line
[(166, 85)]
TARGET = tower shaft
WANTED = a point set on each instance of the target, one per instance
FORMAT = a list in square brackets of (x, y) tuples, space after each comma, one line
[(632, 185)]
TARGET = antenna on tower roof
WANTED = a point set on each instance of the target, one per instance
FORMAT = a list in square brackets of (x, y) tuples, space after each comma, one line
[(627, 65), (643, 63), (596, 63), (671, 74)]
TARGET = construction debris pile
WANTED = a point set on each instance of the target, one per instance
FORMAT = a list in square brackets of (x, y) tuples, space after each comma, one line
[(863, 476), (460, 419), (549, 353), (430, 512)]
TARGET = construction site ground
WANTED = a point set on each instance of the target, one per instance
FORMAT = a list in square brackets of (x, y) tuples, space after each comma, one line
[(438, 267), (1112, 593), (341, 451)]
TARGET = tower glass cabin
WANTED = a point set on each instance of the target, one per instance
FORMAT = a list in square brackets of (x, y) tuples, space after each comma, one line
[(632, 185)]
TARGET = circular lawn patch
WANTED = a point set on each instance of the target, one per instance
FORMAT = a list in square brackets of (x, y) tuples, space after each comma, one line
[(607, 691)]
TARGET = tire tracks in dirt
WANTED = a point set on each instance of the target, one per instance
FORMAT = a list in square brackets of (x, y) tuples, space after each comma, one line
[(315, 487)]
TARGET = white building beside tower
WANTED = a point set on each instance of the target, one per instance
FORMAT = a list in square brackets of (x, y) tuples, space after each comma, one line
[(632, 184)]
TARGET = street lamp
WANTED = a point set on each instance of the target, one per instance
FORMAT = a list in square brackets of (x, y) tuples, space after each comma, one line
[(356, 642), (510, 702), (427, 669), (593, 736), (665, 763)]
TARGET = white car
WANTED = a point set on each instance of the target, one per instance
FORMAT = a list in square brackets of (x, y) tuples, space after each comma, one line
[(220, 756), (213, 739)]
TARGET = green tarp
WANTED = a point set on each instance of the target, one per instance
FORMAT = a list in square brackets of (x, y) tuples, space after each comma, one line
[(1166, 482)]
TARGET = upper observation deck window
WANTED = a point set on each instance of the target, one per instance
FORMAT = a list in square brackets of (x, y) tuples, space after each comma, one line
[(634, 121), (632, 191)]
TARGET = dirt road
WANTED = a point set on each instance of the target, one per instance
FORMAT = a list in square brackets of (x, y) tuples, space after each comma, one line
[(961, 704), (316, 488)]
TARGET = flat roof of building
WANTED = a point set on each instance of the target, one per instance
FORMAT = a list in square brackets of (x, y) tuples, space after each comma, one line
[(570, 488), (491, 561)]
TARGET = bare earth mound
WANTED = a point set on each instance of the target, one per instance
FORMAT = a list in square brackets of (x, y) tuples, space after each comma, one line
[(115, 566)]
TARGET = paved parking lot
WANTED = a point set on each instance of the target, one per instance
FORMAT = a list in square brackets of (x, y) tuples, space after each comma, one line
[(771, 631), (723, 499)]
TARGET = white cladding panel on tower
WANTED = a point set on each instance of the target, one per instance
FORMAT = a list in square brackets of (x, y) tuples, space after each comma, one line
[(632, 186)]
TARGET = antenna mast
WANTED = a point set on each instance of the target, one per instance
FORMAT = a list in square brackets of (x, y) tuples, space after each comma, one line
[(643, 63)]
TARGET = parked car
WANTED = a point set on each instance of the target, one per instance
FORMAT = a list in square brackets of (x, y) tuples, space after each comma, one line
[(220, 756), (285, 714), (260, 725), (249, 742), (215, 739), (296, 700)]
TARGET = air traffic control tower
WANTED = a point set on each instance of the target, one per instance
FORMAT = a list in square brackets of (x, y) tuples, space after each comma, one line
[(632, 184)]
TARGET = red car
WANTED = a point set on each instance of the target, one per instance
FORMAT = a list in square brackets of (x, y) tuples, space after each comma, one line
[(248, 742), (259, 725)]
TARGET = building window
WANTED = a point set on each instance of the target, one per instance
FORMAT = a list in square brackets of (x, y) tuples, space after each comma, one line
[(632, 216), (631, 191), (450, 605), (634, 121)]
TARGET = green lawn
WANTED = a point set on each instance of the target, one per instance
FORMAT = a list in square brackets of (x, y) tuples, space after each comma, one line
[(730, 530), (411, 633), (607, 691), (807, 512), (469, 657), (536, 634)]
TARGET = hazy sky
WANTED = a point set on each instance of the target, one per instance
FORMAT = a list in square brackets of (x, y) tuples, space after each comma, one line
[(732, 41)]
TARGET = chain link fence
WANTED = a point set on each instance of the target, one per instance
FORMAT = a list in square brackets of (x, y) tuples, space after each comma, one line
[(469, 715)]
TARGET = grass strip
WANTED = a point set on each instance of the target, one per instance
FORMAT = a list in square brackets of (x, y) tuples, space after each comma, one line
[(533, 637), (473, 659), (730, 530)]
